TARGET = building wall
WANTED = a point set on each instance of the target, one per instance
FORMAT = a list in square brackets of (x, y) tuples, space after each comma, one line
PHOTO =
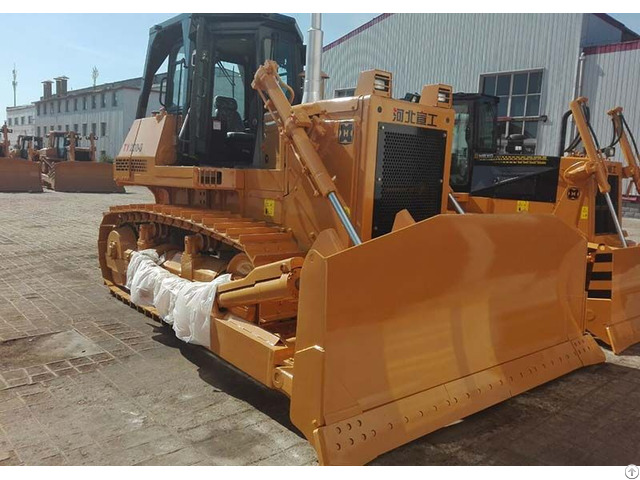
[(118, 119), (457, 48), (21, 120), (611, 80)]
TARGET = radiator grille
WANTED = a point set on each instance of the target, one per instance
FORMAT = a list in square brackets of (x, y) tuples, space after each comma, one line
[(209, 177), (409, 171), (131, 164)]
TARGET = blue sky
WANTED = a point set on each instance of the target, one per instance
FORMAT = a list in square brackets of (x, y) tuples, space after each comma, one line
[(115, 43)]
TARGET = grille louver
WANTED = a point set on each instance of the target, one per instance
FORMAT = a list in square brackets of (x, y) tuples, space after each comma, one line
[(409, 172)]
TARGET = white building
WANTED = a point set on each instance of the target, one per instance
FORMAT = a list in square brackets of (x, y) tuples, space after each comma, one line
[(21, 121), (107, 110)]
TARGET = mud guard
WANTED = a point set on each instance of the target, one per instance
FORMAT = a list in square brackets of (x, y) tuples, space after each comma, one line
[(87, 177), (615, 317), (405, 334), (17, 175)]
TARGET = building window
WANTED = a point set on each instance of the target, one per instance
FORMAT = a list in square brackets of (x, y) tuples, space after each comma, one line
[(44, 108), (93, 101), (38, 131), (344, 92), (519, 106), (30, 119), (59, 105), (59, 128), (75, 127), (84, 103), (38, 110), (75, 104), (93, 128), (66, 128), (114, 99), (45, 131), (66, 105), (21, 120), (9, 121), (103, 129), (51, 108), (84, 129), (103, 100)]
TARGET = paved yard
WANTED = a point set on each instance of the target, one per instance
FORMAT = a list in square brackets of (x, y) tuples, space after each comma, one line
[(87, 380)]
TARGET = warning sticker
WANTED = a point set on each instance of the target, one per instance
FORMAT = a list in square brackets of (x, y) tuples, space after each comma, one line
[(584, 213), (522, 206), (269, 207)]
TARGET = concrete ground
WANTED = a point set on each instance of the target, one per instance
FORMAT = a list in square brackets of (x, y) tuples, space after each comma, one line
[(86, 380)]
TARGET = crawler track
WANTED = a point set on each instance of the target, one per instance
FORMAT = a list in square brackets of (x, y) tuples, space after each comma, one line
[(261, 242)]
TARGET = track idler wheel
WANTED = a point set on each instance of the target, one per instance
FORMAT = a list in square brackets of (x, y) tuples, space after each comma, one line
[(118, 242), (240, 266)]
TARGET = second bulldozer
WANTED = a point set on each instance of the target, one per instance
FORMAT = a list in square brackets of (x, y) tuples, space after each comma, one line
[(67, 167), (579, 186), (309, 246), (17, 174)]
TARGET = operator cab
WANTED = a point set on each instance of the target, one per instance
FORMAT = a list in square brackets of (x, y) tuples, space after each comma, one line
[(210, 61), (59, 141), (23, 144), (479, 168), (475, 133)]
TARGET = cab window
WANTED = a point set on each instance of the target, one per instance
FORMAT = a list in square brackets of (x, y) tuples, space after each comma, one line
[(460, 148)]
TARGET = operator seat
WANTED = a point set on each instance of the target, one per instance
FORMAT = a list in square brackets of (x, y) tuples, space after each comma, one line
[(239, 143), (226, 110)]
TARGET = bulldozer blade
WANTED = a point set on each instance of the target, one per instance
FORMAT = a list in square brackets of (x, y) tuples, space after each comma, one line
[(419, 328), (17, 175), (86, 177), (613, 303)]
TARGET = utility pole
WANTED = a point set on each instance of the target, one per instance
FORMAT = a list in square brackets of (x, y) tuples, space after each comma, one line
[(95, 74), (15, 84)]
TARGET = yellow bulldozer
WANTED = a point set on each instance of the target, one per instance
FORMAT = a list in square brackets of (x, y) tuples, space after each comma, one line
[(580, 186), (67, 167), (310, 245), (18, 173)]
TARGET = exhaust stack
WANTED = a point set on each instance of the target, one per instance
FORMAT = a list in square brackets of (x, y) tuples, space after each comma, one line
[(313, 72)]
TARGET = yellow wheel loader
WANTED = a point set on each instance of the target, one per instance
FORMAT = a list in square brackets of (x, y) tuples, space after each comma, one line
[(309, 247), (17, 173), (67, 167), (582, 188)]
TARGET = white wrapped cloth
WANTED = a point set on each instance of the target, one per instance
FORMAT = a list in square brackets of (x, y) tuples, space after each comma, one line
[(143, 276), (165, 296), (192, 310), (181, 303)]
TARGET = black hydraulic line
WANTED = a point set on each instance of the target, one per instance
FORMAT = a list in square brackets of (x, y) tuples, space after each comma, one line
[(574, 143), (563, 132), (633, 140), (585, 109), (614, 140)]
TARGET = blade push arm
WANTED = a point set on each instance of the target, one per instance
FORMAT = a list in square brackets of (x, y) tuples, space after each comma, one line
[(595, 164), (632, 170), (292, 125)]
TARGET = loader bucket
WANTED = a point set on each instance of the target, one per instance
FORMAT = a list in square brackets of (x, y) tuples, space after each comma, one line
[(433, 322), (613, 303), (18, 175), (89, 177)]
